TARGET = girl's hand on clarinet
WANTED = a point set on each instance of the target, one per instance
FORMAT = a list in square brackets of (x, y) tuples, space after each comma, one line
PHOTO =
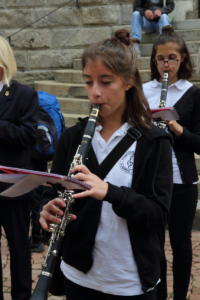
[(175, 127), (52, 212), (99, 187)]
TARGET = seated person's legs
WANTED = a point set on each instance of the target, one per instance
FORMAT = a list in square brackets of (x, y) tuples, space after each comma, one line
[(136, 31), (163, 21), (148, 26), (136, 25)]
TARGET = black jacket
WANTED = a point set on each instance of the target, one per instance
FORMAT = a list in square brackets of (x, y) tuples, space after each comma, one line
[(188, 143), (142, 5), (145, 206), (18, 121)]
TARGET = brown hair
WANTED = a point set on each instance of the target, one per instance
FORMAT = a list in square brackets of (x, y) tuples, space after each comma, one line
[(117, 55), (168, 35)]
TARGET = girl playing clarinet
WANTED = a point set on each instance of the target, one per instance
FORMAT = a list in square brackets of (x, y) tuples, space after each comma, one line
[(112, 248), (170, 54)]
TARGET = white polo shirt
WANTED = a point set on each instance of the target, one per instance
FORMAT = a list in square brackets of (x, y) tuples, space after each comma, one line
[(114, 270), (152, 92)]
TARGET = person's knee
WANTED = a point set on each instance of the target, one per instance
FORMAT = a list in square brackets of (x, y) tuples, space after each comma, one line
[(136, 14), (164, 17)]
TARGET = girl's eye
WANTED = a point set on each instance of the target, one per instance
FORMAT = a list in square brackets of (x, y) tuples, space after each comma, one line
[(106, 82), (88, 82)]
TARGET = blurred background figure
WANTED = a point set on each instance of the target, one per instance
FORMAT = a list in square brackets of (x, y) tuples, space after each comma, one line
[(170, 54), (18, 120), (150, 16)]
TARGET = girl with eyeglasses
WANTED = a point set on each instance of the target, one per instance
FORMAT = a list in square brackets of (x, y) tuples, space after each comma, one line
[(170, 54)]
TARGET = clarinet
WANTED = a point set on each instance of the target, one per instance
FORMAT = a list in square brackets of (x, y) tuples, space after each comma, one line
[(58, 230), (163, 97)]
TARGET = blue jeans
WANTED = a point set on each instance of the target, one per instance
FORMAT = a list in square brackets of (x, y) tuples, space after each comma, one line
[(138, 22)]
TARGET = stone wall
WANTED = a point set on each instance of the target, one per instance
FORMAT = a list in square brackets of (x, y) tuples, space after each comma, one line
[(53, 42)]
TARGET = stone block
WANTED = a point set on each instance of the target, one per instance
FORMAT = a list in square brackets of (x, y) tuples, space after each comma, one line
[(103, 2), (77, 65), (65, 16), (10, 18), (51, 59), (24, 3), (74, 105), (107, 14), (28, 77), (126, 12), (79, 37), (181, 9), (32, 39), (193, 47), (68, 76), (71, 119), (190, 24), (62, 3), (59, 89), (21, 59)]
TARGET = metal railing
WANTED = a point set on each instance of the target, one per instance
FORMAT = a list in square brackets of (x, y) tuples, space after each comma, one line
[(41, 18)]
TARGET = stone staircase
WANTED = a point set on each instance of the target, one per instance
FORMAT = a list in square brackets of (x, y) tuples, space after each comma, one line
[(68, 85), (69, 88)]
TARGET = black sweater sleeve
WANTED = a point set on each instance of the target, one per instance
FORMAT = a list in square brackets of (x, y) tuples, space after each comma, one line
[(190, 120)]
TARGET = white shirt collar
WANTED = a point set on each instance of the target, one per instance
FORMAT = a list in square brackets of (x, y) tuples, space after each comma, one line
[(119, 132), (180, 84)]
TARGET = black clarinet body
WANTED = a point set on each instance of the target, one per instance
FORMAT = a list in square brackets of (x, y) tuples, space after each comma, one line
[(58, 230), (163, 97)]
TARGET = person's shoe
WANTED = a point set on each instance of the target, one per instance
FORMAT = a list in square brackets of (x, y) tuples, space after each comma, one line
[(37, 247), (136, 47), (167, 28)]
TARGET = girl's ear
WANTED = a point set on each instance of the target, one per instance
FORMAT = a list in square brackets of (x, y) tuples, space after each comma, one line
[(128, 87)]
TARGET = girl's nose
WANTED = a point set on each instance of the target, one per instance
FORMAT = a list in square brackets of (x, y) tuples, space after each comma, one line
[(96, 90)]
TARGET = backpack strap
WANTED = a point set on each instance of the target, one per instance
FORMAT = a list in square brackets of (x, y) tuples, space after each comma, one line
[(107, 164)]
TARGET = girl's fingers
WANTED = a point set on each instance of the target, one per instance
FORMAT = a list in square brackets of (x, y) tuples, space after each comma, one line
[(81, 194), (81, 168)]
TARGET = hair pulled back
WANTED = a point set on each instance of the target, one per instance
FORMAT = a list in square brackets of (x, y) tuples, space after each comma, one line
[(169, 36), (116, 54)]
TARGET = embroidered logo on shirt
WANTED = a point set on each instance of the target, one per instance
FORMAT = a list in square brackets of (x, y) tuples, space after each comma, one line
[(126, 163)]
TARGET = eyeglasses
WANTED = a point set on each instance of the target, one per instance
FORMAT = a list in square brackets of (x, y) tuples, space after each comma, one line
[(170, 60)]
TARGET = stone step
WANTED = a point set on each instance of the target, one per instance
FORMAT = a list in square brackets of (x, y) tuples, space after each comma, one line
[(197, 83), (71, 105), (146, 75), (61, 89), (71, 119), (187, 24), (75, 76), (68, 75), (143, 62), (193, 47), (187, 34)]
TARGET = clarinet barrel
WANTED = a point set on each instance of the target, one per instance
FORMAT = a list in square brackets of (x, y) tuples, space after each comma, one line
[(163, 98)]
